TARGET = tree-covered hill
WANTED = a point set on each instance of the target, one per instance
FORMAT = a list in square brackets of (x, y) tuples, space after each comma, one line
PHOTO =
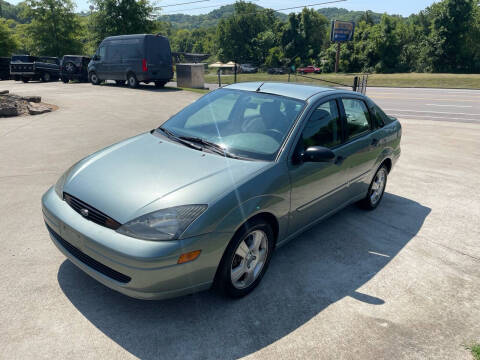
[(9, 11), (183, 21), (333, 13)]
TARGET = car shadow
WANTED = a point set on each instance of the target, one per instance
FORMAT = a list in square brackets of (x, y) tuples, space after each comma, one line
[(144, 87), (325, 264)]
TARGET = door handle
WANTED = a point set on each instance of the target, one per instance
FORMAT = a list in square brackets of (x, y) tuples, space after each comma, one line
[(339, 160), (375, 142)]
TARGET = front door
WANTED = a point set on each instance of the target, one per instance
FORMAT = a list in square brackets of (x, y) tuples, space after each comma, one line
[(318, 188)]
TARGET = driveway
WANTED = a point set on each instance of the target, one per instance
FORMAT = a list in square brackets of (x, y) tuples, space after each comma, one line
[(402, 282)]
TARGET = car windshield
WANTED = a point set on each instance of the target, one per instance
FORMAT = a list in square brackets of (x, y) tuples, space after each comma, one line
[(246, 124)]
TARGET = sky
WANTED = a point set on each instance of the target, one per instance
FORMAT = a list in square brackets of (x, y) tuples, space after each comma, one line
[(400, 7)]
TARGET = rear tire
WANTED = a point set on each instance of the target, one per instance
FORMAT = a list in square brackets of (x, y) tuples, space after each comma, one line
[(132, 80), (25, 80), (46, 77), (65, 80), (376, 190), (94, 78), (246, 259)]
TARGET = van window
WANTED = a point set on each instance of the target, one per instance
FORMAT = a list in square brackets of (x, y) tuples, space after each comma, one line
[(102, 51), (159, 50)]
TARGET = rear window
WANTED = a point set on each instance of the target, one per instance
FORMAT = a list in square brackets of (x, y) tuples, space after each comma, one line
[(23, 58), (158, 49)]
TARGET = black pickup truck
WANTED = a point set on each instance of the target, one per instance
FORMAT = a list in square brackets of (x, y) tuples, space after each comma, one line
[(26, 68), (4, 68)]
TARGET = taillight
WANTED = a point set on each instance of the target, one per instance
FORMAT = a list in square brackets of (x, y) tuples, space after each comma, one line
[(144, 65)]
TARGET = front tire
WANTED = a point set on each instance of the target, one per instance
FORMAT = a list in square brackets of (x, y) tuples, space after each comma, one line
[(25, 80), (376, 189), (132, 80), (65, 80), (94, 78), (246, 259)]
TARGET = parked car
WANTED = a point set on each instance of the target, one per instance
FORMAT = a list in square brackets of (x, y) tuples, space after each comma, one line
[(205, 198), (74, 67), (132, 58), (248, 68), (277, 71), (4, 68), (26, 68), (309, 70)]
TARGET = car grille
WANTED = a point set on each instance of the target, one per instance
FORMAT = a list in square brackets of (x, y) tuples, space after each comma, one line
[(90, 213), (87, 260)]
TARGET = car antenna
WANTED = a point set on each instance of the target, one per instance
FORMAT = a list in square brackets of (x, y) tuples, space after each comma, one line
[(258, 89)]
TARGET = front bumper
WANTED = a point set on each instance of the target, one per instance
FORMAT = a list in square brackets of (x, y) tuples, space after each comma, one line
[(148, 269)]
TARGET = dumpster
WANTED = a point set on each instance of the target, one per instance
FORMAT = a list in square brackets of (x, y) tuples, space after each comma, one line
[(191, 75)]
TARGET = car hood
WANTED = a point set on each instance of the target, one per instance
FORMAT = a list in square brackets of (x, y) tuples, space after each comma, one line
[(146, 173)]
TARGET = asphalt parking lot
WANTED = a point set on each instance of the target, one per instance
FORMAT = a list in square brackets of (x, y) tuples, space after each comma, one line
[(402, 282)]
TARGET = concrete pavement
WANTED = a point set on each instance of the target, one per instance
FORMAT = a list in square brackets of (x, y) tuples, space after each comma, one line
[(401, 282)]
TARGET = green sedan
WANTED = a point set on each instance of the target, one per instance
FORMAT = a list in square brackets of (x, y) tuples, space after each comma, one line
[(203, 200)]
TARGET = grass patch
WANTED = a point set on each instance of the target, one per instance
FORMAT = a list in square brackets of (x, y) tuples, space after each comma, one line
[(475, 349), (452, 81)]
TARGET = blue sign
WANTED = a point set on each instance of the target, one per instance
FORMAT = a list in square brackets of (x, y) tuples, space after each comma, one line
[(342, 31)]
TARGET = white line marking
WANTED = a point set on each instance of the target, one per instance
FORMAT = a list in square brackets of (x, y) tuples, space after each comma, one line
[(431, 112), (458, 106), (376, 253), (419, 117)]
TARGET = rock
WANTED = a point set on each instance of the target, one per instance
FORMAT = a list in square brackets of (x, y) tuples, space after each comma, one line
[(35, 109), (34, 99), (3, 92), (8, 109)]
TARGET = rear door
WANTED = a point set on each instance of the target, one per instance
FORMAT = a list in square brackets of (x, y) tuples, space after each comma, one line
[(319, 188), (159, 57), (361, 143)]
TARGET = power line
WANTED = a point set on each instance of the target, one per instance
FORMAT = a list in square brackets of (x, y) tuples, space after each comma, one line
[(256, 12), (184, 3), (203, 7)]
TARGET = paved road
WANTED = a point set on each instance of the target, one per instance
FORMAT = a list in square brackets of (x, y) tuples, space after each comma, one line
[(426, 104), (401, 282), (429, 104)]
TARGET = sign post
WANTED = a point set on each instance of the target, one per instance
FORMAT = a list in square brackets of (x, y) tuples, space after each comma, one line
[(342, 31)]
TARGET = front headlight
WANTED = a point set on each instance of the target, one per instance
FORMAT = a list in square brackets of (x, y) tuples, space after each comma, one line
[(165, 224)]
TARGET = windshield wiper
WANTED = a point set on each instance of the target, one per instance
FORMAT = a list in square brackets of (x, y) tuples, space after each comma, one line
[(211, 145), (179, 139)]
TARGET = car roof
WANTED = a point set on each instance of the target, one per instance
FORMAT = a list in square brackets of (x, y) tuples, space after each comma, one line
[(296, 91), (133, 36)]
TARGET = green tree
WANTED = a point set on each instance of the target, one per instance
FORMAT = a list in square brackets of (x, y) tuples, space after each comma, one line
[(453, 24), (120, 17), (241, 37), (54, 29), (8, 43), (305, 35)]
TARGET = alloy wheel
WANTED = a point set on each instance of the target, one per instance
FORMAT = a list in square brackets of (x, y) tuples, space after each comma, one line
[(378, 186), (249, 259)]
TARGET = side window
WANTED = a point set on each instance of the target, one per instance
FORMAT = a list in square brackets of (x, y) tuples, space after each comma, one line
[(102, 52), (114, 53), (324, 127), (218, 111), (357, 117)]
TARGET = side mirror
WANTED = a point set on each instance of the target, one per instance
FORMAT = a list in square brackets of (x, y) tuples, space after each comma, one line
[(318, 154)]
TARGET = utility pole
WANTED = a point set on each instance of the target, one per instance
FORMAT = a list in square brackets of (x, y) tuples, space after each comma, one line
[(337, 58)]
